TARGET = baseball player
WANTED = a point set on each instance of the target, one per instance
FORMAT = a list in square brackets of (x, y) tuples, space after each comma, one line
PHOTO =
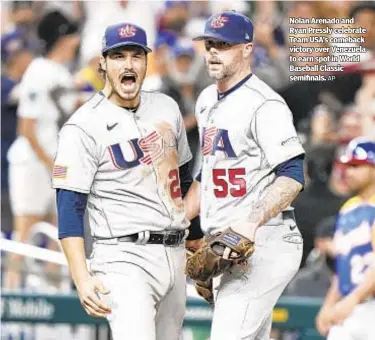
[(349, 307), (123, 154), (252, 170), (44, 98)]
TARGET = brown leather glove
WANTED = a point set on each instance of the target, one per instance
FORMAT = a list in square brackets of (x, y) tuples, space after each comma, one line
[(217, 254), (203, 288)]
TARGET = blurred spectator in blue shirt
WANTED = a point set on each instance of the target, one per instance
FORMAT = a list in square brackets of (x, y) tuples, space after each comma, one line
[(181, 82), (23, 16), (15, 57), (174, 18), (270, 59)]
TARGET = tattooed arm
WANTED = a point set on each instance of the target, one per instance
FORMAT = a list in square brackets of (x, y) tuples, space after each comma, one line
[(279, 195), (273, 130)]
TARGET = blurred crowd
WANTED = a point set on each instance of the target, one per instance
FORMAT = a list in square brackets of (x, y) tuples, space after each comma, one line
[(327, 115)]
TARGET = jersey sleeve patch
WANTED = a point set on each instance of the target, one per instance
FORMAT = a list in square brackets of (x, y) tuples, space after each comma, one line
[(76, 160), (59, 172)]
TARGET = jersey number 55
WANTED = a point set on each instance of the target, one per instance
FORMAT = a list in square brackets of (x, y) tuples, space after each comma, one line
[(229, 181)]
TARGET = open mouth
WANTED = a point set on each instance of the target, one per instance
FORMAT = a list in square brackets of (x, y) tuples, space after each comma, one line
[(214, 62), (128, 79)]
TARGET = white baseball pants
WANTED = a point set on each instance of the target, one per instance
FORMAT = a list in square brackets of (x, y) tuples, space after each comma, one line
[(147, 289), (30, 189), (246, 296)]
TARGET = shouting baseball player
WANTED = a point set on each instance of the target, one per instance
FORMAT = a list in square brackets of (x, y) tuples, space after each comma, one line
[(349, 307), (123, 154), (252, 171)]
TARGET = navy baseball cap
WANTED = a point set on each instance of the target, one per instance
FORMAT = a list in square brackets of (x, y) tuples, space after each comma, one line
[(125, 34), (229, 26), (11, 44), (183, 47), (173, 3)]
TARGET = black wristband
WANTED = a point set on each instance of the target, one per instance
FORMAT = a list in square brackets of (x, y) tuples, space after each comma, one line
[(195, 231), (185, 178)]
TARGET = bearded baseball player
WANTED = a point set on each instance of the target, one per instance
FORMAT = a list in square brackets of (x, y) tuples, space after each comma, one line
[(123, 154), (349, 307), (252, 171)]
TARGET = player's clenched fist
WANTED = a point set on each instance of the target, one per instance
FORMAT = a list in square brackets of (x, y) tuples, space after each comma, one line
[(323, 321), (344, 308), (88, 294)]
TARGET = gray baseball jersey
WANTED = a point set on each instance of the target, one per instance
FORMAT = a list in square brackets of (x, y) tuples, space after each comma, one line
[(244, 136), (127, 162)]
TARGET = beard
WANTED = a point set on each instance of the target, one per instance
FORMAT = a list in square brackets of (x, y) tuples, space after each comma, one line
[(219, 70)]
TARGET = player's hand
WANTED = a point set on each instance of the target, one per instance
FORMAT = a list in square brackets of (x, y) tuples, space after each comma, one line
[(193, 244), (344, 308), (88, 294), (323, 321)]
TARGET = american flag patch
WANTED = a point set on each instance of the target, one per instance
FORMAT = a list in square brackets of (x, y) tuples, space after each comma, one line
[(59, 171)]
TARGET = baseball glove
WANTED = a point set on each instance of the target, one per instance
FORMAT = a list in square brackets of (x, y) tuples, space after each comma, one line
[(217, 254), (203, 288)]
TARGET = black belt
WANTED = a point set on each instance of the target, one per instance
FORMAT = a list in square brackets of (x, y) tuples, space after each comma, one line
[(168, 238)]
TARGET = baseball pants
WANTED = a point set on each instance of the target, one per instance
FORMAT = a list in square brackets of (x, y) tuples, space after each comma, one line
[(30, 189), (246, 296), (147, 289), (358, 326)]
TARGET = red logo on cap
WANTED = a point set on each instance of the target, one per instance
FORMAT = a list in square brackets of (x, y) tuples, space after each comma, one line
[(127, 31), (219, 21)]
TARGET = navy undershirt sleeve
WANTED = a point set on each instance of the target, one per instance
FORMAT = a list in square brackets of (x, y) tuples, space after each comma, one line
[(292, 168), (71, 208), (185, 178)]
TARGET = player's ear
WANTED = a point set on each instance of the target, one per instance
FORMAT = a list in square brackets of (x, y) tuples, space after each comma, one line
[(247, 50), (103, 63)]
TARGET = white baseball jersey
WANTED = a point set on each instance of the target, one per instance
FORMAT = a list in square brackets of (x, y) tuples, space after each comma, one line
[(36, 102), (244, 136), (127, 162)]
